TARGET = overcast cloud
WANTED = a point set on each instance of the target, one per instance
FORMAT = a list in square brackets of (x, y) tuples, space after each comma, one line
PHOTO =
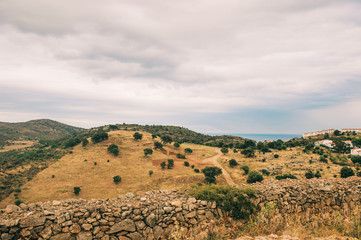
[(210, 65)]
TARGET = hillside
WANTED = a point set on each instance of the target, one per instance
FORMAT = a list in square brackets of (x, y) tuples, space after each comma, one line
[(35, 129), (92, 168)]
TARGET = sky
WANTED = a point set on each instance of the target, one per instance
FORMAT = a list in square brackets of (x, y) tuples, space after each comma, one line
[(214, 66)]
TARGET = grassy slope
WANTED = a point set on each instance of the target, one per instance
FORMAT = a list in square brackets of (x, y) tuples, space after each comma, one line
[(96, 181)]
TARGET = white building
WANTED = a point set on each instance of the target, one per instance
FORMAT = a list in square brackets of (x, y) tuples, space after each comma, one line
[(348, 143), (356, 130), (356, 151), (327, 143), (310, 134)]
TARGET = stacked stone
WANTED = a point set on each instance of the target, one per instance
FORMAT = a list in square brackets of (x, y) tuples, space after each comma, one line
[(149, 216)]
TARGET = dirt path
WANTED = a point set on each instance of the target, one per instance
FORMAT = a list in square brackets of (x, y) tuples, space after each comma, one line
[(214, 161)]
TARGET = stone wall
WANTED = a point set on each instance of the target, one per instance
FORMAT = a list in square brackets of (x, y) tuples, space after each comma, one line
[(150, 216), (154, 214)]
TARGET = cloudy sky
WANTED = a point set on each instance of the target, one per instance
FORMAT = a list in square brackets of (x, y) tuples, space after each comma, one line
[(230, 66)]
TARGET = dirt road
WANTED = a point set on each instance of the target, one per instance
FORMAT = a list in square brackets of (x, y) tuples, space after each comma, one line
[(214, 161)]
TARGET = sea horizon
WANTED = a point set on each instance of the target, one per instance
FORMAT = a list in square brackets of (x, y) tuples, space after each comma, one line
[(260, 137)]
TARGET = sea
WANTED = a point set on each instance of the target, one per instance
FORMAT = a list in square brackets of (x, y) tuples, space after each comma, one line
[(260, 137)]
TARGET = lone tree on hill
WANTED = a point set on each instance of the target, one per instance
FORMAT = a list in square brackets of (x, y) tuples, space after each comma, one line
[(176, 145), (254, 177), (76, 190), (166, 139), (113, 149), (158, 145), (148, 151), (224, 150), (232, 163), (347, 172), (188, 150), (137, 136), (210, 174), (170, 163), (117, 179)]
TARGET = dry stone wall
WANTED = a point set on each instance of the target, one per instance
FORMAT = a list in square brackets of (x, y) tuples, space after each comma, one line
[(154, 214)]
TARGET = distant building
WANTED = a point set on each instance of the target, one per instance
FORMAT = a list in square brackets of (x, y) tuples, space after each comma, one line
[(327, 143), (310, 134), (356, 151), (356, 130), (348, 143)]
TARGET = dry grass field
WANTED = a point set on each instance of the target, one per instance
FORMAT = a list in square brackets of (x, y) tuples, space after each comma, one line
[(293, 161), (15, 145), (96, 181)]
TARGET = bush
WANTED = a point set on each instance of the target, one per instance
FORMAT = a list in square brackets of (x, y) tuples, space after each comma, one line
[(18, 202), (224, 150), (150, 172), (99, 137), (346, 172), (196, 170), (232, 200), (356, 159), (188, 150), (95, 163), (148, 151), (245, 169), (323, 159), (117, 179), (309, 174), (85, 142), (163, 164), (17, 190), (170, 163), (248, 152), (232, 163), (265, 172), (285, 176), (113, 149), (317, 174), (137, 136), (181, 156), (186, 164), (276, 156), (76, 190), (192, 166), (166, 139), (254, 177), (210, 174), (158, 145), (176, 145)]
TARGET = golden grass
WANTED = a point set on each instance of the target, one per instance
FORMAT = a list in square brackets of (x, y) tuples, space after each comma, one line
[(96, 181), (15, 145)]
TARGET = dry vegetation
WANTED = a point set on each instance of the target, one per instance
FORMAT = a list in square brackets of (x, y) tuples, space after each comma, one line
[(96, 181)]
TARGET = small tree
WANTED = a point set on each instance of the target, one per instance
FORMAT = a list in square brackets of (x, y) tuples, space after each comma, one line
[(117, 179), (224, 150), (248, 152), (180, 156), (137, 136), (276, 156), (245, 169), (113, 149), (154, 136), (317, 174), (188, 150), (76, 190), (158, 145), (232, 163), (254, 177), (150, 172), (196, 170), (347, 172), (100, 136), (85, 142), (210, 174), (309, 174), (170, 163), (186, 164), (356, 159), (166, 139), (176, 145), (148, 151), (163, 164)]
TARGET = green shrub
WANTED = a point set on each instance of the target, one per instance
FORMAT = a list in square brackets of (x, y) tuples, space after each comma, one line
[(163, 164), (276, 156), (309, 174), (285, 176), (117, 179), (17, 190), (192, 166), (346, 172), (113, 149), (180, 156), (186, 164), (170, 163), (188, 150), (356, 159), (158, 145), (148, 151), (137, 136), (265, 172), (95, 163), (52, 176), (210, 174), (76, 190), (254, 177), (71, 142), (323, 159), (99, 137), (85, 142), (317, 174), (196, 170), (18, 202), (150, 172), (233, 200), (232, 163), (176, 145), (224, 150), (245, 168)]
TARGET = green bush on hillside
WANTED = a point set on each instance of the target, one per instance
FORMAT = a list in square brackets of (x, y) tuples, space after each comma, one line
[(254, 177), (285, 176), (113, 149), (346, 172)]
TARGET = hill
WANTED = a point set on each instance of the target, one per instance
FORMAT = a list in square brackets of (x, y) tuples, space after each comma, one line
[(35, 130)]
